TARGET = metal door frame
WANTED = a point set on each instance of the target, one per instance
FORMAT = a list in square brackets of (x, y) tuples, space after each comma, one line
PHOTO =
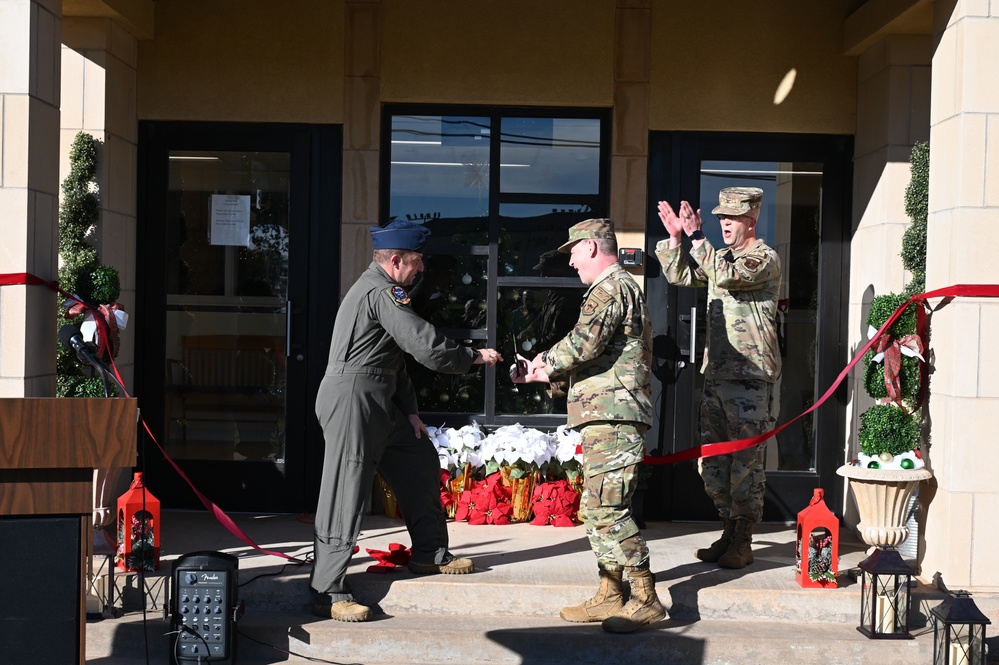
[(313, 290), (676, 492)]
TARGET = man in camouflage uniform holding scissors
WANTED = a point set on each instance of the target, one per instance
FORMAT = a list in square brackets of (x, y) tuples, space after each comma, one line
[(742, 361), (603, 365)]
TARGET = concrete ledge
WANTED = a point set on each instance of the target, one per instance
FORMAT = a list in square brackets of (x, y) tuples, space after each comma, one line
[(473, 640)]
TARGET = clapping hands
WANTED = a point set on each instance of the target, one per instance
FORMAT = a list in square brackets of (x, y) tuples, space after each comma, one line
[(688, 221)]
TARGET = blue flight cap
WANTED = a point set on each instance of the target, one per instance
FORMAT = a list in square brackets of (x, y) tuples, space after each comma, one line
[(400, 234)]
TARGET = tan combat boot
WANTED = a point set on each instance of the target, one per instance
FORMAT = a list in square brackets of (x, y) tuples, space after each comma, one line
[(740, 552), (642, 609), (453, 565), (720, 546), (342, 610), (607, 602)]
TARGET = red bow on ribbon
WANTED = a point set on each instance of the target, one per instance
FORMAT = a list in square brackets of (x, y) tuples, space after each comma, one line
[(108, 337), (891, 347), (398, 555)]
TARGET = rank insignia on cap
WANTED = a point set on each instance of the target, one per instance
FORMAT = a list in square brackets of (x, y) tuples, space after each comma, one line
[(400, 296)]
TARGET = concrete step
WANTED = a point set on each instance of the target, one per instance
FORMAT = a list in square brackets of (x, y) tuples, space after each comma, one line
[(507, 611), (522, 570), (471, 640)]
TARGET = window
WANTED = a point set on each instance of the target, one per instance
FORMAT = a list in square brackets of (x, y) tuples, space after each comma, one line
[(499, 189)]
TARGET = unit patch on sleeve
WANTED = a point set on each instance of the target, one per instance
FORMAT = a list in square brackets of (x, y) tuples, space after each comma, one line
[(598, 298), (399, 295), (751, 264)]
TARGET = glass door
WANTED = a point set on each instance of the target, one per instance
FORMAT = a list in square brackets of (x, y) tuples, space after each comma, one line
[(228, 240), (804, 218), (228, 231)]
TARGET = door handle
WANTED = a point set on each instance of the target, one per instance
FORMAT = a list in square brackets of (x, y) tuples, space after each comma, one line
[(693, 335), (690, 352), (287, 330)]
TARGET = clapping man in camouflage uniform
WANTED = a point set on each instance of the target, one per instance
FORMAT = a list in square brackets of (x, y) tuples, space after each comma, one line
[(742, 361), (604, 365), (370, 418)]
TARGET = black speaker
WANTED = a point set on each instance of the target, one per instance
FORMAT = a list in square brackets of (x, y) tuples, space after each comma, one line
[(204, 609), (41, 590)]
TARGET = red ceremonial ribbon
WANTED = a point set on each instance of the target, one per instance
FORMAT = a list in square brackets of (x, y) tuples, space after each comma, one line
[(104, 337), (704, 450), (727, 447)]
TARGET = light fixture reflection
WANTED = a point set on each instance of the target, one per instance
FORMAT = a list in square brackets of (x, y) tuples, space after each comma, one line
[(784, 88)]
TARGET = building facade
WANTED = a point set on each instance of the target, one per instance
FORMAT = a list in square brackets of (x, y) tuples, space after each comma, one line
[(248, 146)]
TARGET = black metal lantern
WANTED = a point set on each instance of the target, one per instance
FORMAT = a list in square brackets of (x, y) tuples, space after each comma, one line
[(884, 596), (958, 631)]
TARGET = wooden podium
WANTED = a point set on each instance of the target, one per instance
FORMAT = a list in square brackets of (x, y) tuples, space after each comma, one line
[(49, 449)]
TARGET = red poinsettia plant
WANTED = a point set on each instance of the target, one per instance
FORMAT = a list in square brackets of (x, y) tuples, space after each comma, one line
[(555, 502), (447, 495), (486, 502)]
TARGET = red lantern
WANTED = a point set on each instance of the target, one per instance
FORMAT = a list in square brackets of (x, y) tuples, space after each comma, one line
[(138, 528), (817, 545)]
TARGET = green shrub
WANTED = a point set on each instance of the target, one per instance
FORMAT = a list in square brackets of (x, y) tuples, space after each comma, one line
[(908, 378), (83, 386), (886, 428), (917, 196), (80, 271), (104, 287), (884, 306)]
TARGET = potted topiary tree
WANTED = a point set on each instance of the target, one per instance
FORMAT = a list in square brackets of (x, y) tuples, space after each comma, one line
[(889, 464)]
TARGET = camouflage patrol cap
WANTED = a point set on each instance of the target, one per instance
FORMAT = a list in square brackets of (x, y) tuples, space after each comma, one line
[(739, 201), (590, 229)]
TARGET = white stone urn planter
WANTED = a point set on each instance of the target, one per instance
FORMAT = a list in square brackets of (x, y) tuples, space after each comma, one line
[(882, 497)]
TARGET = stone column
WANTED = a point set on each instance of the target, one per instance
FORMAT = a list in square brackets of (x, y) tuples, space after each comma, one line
[(893, 113), (630, 141), (963, 498), (361, 127), (99, 98), (29, 188)]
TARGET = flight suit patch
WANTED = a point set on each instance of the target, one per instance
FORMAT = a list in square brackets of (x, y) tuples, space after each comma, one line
[(399, 295)]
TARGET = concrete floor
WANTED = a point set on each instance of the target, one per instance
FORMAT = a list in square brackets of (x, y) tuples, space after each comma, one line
[(524, 574)]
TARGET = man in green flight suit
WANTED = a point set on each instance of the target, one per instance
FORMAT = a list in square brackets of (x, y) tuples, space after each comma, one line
[(604, 367), (368, 410), (742, 361)]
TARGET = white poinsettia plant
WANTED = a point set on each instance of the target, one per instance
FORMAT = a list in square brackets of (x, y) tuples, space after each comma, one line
[(521, 450), (457, 447), (568, 455)]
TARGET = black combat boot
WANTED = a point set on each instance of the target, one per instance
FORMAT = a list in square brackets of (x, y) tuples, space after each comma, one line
[(740, 552), (720, 546)]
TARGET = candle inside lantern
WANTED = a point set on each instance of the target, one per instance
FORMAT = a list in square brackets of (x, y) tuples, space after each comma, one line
[(885, 611), (959, 652)]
